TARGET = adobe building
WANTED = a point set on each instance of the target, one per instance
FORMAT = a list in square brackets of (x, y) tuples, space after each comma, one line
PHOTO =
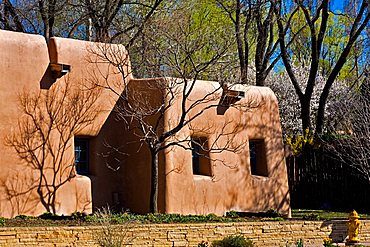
[(232, 157)]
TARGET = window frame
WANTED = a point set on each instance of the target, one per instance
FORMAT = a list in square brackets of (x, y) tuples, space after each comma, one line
[(258, 157), (201, 163), (79, 169)]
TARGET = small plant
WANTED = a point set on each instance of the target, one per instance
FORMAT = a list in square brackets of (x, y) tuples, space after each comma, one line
[(277, 219), (78, 216), (272, 213), (111, 234), (233, 241), (48, 216), (311, 216), (2, 221), (328, 242), (203, 244), (298, 143), (232, 214), (299, 243), (21, 217)]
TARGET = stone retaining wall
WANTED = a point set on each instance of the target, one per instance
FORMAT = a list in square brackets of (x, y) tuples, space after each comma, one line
[(271, 233)]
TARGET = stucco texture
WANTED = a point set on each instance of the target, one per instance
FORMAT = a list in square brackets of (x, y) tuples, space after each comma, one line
[(119, 165)]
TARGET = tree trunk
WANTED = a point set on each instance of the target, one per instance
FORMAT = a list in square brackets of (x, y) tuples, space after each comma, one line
[(305, 113), (154, 182), (242, 59), (261, 78)]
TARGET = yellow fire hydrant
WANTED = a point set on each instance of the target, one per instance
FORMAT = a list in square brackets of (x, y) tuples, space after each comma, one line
[(353, 227)]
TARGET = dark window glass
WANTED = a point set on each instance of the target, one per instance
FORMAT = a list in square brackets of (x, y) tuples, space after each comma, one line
[(82, 155), (200, 156), (257, 154)]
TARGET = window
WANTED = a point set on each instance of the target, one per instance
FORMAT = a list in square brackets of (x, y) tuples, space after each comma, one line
[(257, 153), (82, 155), (200, 156)]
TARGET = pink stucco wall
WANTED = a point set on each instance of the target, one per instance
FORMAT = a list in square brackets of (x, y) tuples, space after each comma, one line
[(119, 165)]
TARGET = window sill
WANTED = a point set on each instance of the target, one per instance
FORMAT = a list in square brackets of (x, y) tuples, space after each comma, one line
[(258, 177), (202, 177)]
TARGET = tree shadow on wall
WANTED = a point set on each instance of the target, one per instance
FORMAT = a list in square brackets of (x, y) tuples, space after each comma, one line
[(262, 191), (19, 190), (43, 141)]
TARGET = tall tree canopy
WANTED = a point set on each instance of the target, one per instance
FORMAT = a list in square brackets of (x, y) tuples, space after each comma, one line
[(316, 18)]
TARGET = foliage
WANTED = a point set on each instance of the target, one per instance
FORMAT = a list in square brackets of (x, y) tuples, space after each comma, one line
[(297, 143), (78, 216), (111, 235), (48, 216), (21, 217), (299, 243), (126, 218), (233, 241), (277, 219), (232, 214), (328, 242), (161, 218), (272, 213), (2, 221), (311, 216)]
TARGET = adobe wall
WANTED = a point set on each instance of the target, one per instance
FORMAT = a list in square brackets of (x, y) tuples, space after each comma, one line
[(271, 233), (24, 60), (107, 139), (119, 164), (231, 186)]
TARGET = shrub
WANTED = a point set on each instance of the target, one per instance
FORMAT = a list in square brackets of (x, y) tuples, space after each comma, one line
[(299, 243), (311, 216), (328, 242), (2, 221), (233, 241), (48, 216), (232, 214), (272, 213), (78, 216), (21, 217), (112, 234)]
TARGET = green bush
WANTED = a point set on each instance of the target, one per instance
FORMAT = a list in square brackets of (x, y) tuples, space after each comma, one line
[(78, 216), (232, 214), (311, 216), (2, 221), (233, 241), (299, 243), (48, 216), (21, 217)]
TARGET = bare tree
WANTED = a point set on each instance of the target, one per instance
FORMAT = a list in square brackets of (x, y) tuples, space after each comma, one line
[(353, 146), (316, 17), (34, 16), (144, 105), (101, 20), (44, 135), (112, 19), (9, 17), (254, 24)]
